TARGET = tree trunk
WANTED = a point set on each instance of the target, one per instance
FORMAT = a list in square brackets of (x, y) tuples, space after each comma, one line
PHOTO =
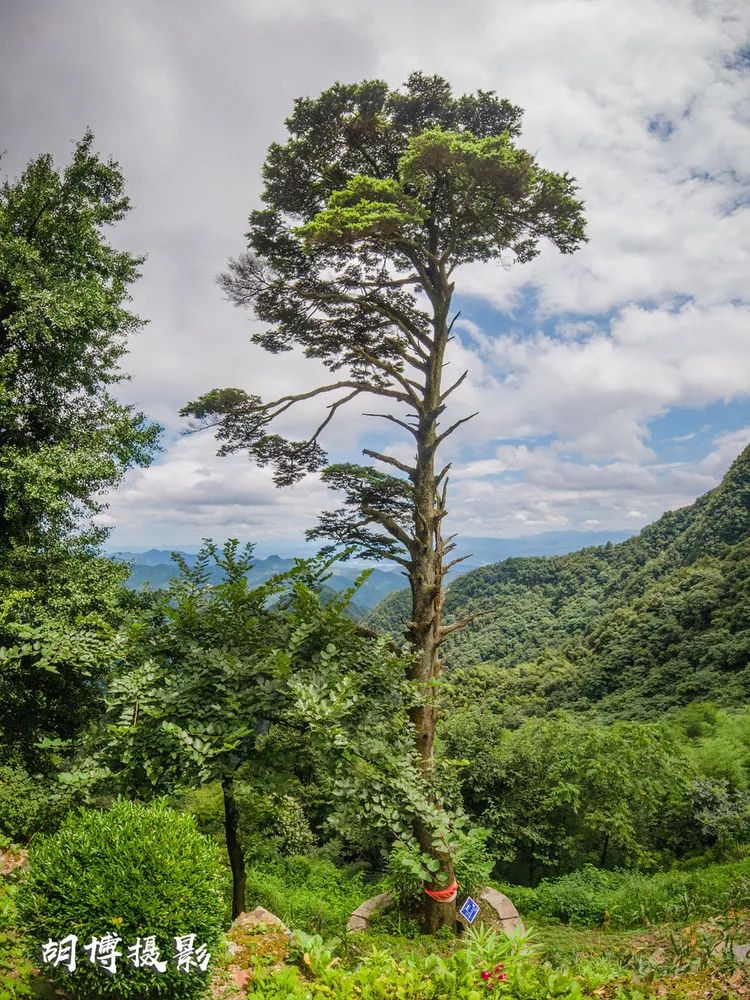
[(426, 582), (234, 845)]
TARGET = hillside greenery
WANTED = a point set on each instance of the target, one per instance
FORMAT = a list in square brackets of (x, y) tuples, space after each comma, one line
[(629, 630)]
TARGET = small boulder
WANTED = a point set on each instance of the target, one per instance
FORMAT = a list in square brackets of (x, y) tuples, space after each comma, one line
[(13, 859), (259, 915)]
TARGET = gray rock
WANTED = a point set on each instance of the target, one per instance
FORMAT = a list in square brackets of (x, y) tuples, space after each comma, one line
[(741, 952)]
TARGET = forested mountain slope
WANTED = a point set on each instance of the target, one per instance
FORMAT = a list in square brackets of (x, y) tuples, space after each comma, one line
[(634, 628)]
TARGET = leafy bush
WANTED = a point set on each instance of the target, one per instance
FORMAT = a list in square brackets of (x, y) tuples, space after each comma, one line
[(581, 897), (680, 896), (28, 804), (592, 897), (472, 862), (206, 805), (404, 876), (292, 829), (305, 892), (15, 968), (721, 813), (133, 871)]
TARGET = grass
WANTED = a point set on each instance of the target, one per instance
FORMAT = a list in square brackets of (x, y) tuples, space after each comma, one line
[(562, 944), (312, 894)]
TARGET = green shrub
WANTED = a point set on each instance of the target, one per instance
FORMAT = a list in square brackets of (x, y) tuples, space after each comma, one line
[(471, 859), (206, 806), (485, 963), (28, 804), (592, 897), (581, 897), (134, 871), (15, 967), (404, 877), (680, 896), (293, 832), (269, 824)]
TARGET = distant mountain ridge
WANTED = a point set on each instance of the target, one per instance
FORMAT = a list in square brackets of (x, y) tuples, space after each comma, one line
[(156, 568)]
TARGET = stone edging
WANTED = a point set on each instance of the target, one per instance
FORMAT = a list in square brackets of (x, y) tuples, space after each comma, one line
[(495, 910)]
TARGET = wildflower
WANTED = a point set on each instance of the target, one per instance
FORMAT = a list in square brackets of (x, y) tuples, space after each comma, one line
[(498, 968), (485, 975)]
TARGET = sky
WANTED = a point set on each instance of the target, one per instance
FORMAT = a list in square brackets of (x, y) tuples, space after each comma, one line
[(612, 384)]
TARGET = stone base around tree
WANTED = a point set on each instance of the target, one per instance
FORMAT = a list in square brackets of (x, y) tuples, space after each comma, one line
[(495, 910)]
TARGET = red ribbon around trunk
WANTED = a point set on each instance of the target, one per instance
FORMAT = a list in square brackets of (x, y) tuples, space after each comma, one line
[(443, 895)]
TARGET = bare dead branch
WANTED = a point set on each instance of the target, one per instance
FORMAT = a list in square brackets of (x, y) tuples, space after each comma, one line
[(390, 460), (454, 562), (415, 362), (298, 397), (441, 437), (333, 407), (446, 630), (412, 279), (408, 385), (443, 472), (401, 423), (391, 526), (455, 385)]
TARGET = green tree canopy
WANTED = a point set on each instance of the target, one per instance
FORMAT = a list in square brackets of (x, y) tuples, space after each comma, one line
[(64, 438), (215, 676)]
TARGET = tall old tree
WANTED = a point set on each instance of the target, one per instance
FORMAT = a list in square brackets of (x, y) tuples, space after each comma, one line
[(375, 200)]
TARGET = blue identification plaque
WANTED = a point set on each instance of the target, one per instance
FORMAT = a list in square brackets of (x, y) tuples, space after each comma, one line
[(469, 910)]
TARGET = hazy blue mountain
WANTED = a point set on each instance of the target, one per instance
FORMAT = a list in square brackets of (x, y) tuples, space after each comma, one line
[(154, 557), (635, 628), (156, 568)]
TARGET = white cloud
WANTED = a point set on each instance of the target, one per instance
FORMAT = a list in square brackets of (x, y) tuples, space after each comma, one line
[(598, 395), (191, 495), (555, 493), (188, 96)]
